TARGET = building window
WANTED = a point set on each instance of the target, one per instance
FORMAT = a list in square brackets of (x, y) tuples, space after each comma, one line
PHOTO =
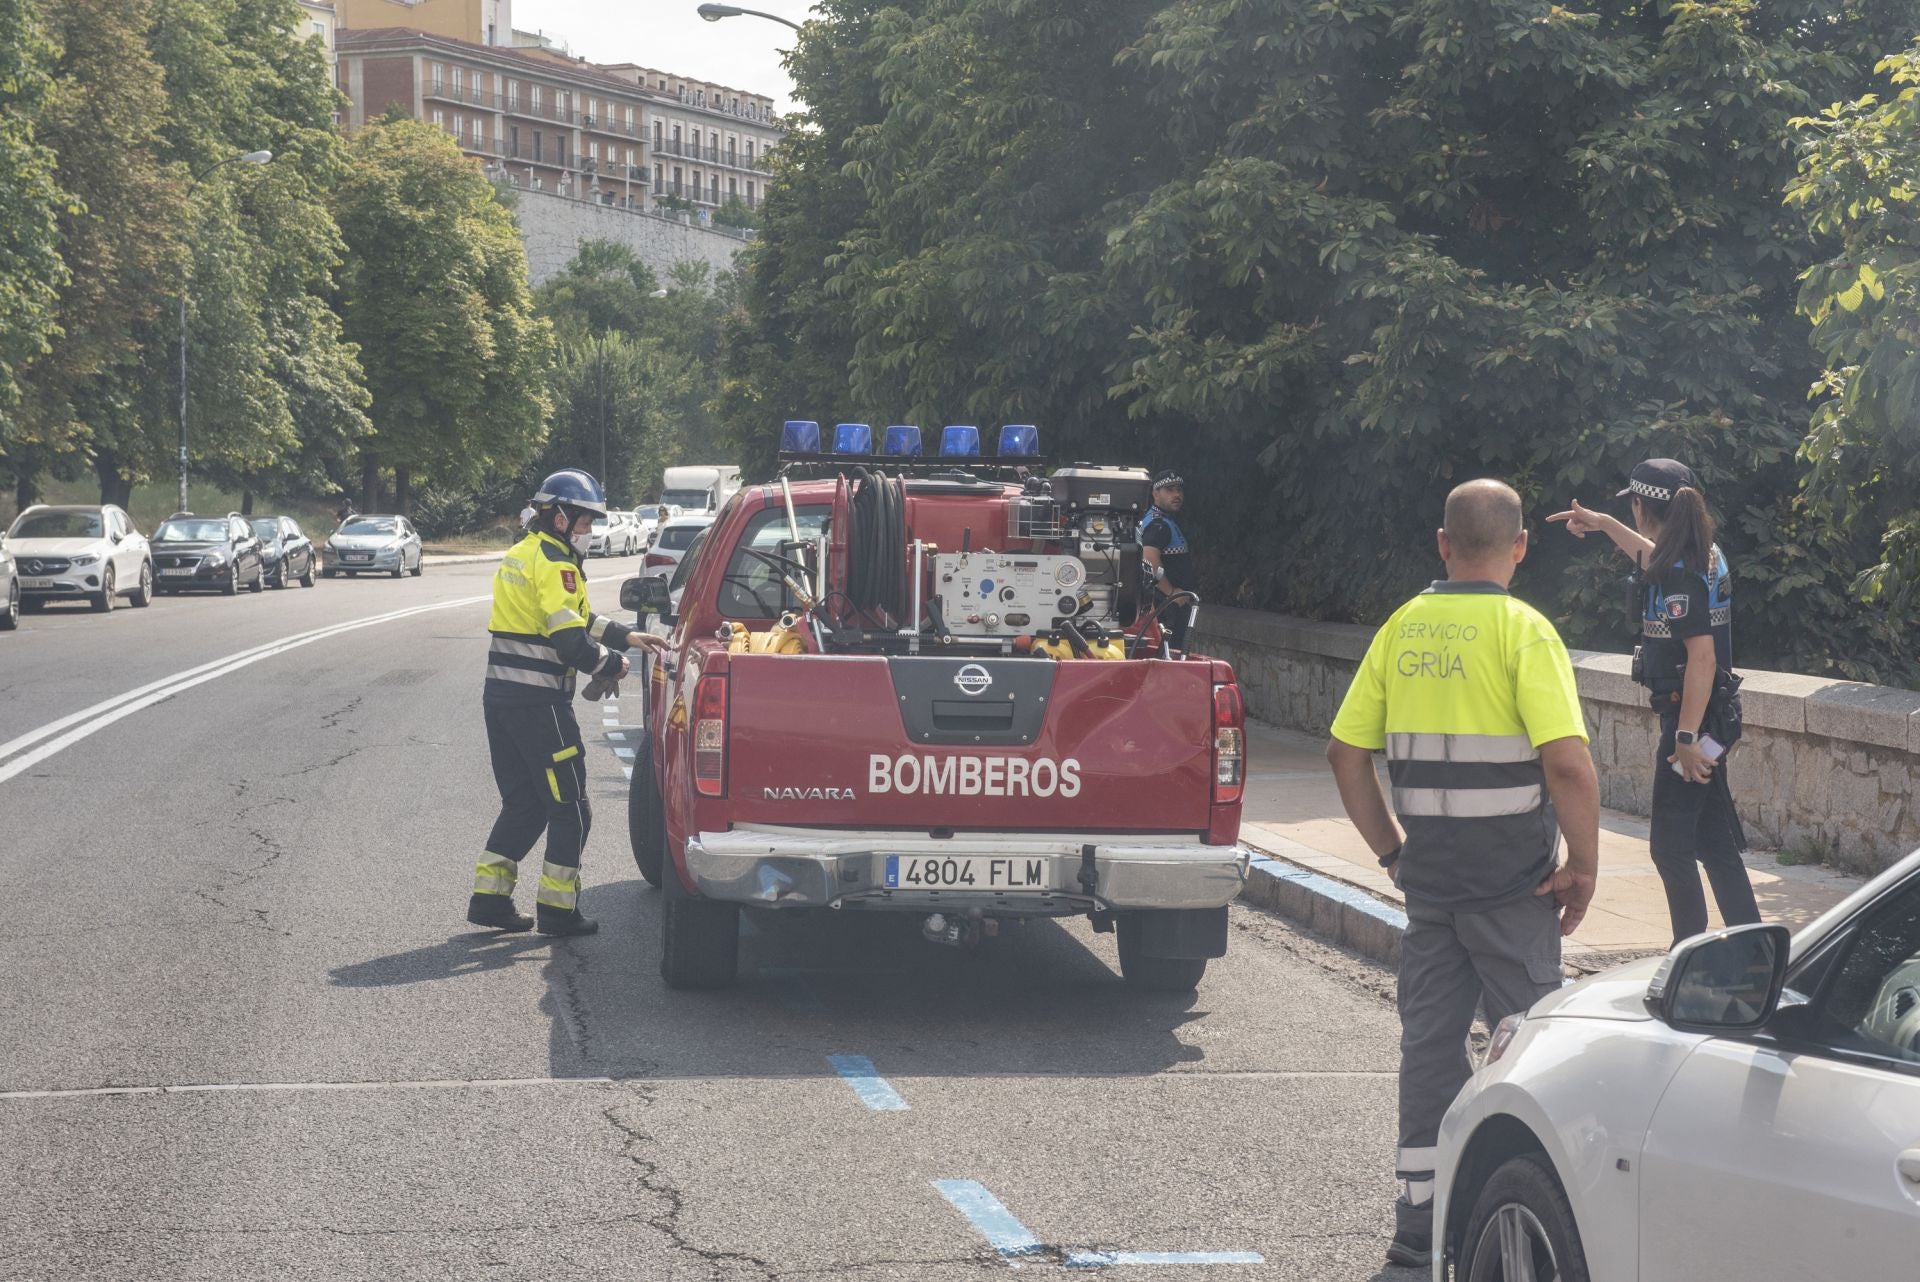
[(656, 133), (513, 139), (459, 80), (439, 120), (629, 119), (749, 153), (439, 84), (733, 189), (593, 150), (480, 132), (320, 29), (539, 152), (533, 96), (657, 179), (678, 186), (749, 193), (562, 141), (460, 128), (513, 95), (715, 190)]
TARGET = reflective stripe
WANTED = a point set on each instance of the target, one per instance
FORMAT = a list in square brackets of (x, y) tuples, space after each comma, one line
[(1467, 803), (553, 784), (1719, 616), (598, 628), (559, 885), (1656, 628), (526, 676), (495, 875), (565, 753), (1479, 748), (1414, 1162), (562, 619), (1419, 1192), (525, 649)]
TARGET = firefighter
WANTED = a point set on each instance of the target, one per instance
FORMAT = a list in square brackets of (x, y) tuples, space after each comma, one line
[(542, 635), (1472, 695), (1169, 561)]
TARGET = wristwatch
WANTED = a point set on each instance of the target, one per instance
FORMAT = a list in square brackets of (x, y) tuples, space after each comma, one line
[(1684, 736), (1391, 858)]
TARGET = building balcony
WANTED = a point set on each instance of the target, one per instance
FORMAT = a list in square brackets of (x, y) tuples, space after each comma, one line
[(463, 94)]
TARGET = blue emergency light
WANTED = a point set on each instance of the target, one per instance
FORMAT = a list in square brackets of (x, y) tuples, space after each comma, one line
[(800, 436), (901, 440), (852, 438), (960, 442), (1019, 440)]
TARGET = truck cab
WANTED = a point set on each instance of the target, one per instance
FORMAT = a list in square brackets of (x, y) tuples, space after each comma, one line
[(941, 691), (699, 488)]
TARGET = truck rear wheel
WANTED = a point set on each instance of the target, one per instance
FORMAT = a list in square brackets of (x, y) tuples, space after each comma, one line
[(699, 939), (646, 817), (1167, 952)]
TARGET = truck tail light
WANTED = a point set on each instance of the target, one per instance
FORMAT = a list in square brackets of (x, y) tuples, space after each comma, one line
[(1229, 744), (657, 559), (710, 736)]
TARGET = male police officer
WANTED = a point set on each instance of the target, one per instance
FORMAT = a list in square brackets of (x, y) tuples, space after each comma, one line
[(1472, 695), (543, 633), (1163, 546)]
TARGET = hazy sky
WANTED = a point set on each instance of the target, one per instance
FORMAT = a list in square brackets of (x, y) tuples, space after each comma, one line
[(741, 53)]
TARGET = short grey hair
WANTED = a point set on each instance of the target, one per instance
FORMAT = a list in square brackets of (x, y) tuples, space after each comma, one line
[(1483, 518)]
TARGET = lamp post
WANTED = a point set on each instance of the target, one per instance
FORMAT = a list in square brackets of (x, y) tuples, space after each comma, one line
[(244, 158), (715, 12)]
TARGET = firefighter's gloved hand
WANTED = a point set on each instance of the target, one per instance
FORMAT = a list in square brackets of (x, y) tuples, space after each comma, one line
[(601, 688)]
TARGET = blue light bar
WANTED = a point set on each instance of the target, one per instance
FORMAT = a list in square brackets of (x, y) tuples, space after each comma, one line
[(1019, 440), (801, 436), (902, 440), (960, 442), (852, 438)]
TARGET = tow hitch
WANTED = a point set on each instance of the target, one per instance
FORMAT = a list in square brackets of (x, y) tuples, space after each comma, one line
[(960, 931)]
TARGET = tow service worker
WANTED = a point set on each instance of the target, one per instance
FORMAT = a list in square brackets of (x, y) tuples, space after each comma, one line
[(1163, 546), (543, 634), (1472, 695)]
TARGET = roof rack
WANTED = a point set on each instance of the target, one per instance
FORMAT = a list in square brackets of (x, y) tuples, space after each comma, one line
[(798, 466)]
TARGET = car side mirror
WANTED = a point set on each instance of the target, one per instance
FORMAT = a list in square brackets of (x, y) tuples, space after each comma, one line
[(645, 596), (1725, 981)]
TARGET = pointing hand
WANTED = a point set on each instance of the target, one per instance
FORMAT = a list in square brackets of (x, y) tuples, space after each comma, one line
[(1580, 521)]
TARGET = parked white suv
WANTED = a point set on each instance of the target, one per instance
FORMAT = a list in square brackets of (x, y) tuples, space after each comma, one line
[(88, 554)]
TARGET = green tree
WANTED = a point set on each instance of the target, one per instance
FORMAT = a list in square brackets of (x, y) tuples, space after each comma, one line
[(605, 287), (31, 269), (1859, 189), (436, 297)]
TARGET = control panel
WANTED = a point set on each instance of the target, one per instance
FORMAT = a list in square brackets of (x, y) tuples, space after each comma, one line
[(982, 594)]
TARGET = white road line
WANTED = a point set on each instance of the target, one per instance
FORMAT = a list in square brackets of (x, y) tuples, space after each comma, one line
[(625, 754), (627, 770), (216, 1088), (616, 736)]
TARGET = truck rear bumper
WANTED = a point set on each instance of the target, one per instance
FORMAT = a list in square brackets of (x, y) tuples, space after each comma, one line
[(822, 868)]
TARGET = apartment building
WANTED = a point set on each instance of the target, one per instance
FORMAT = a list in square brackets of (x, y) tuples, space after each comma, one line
[(621, 135)]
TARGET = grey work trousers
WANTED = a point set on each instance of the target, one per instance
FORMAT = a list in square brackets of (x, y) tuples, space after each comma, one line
[(1508, 957)]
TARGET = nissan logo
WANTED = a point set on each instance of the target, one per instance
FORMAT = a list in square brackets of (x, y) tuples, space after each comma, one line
[(973, 679)]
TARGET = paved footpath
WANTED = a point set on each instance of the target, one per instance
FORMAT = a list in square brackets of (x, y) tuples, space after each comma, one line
[(1293, 815)]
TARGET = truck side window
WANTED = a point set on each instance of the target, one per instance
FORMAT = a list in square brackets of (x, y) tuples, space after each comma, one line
[(752, 588)]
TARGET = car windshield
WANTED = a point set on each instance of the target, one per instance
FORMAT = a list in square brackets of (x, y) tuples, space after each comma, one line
[(685, 498), (57, 525), (647, 513), (371, 525), (269, 528), (207, 531), (678, 538), (600, 524)]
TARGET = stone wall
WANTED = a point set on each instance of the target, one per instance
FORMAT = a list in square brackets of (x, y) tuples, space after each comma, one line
[(1827, 767), (553, 228)]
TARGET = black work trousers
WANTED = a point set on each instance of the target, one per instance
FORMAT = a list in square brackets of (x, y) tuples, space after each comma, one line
[(541, 771), (1695, 825)]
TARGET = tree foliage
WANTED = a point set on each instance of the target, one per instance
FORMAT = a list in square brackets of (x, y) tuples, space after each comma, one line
[(1329, 257), (31, 269)]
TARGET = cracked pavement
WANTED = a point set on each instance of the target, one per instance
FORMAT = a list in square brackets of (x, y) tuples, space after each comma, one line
[(259, 883)]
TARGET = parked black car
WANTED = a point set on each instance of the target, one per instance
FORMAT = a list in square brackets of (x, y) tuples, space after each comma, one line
[(289, 553), (218, 552)]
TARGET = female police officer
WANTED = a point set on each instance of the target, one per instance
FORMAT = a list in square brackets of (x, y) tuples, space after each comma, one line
[(1686, 635)]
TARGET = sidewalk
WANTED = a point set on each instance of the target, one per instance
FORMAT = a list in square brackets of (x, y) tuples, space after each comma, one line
[(1316, 862)]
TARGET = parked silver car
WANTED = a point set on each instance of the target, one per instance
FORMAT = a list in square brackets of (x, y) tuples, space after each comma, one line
[(373, 545), (10, 584)]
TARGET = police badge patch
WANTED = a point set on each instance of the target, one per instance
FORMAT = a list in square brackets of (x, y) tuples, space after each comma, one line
[(1677, 606), (568, 582)]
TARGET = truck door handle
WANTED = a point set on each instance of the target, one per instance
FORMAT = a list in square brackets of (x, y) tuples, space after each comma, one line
[(1909, 1166)]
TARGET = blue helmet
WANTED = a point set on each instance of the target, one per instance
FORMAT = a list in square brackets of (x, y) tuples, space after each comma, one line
[(572, 488)]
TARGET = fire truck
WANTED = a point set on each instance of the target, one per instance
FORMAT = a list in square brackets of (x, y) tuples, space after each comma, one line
[(938, 684)]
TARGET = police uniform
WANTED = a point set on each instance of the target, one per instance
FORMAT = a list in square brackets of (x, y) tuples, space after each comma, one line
[(1162, 530), (1461, 687), (543, 635), (1691, 821)]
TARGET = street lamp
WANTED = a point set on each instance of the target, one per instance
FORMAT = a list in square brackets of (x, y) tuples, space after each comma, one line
[(715, 12), (244, 158)]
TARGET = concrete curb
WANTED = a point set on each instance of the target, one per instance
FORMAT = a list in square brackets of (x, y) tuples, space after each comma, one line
[(1346, 915), (435, 558)]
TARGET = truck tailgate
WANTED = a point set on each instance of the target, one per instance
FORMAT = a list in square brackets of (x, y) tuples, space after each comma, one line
[(921, 743)]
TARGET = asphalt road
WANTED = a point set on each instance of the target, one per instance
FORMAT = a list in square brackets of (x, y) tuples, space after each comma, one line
[(246, 1033)]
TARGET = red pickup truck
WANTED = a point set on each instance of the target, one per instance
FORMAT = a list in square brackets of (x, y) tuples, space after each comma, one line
[(941, 693)]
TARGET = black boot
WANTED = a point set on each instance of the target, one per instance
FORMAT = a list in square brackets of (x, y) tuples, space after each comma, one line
[(497, 913), (1412, 1245), (563, 922)]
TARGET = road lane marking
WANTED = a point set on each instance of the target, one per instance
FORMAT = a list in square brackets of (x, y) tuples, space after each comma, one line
[(243, 1088), (92, 720), (867, 1083), (993, 1221), (617, 736), (1107, 1259), (625, 754)]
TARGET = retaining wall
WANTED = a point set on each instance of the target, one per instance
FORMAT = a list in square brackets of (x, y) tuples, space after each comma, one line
[(553, 228), (1831, 767)]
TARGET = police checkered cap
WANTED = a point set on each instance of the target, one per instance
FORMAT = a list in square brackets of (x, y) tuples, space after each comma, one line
[(572, 488), (1659, 479), (1169, 479)]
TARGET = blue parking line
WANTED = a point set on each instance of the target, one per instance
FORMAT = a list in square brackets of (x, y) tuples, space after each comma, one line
[(995, 1222), (1108, 1259), (867, 1083)]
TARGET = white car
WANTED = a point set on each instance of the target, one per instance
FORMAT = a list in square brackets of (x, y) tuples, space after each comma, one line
[(671, 543), (86, 553), (1746, 1108), (647, 520), (612, 535)]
